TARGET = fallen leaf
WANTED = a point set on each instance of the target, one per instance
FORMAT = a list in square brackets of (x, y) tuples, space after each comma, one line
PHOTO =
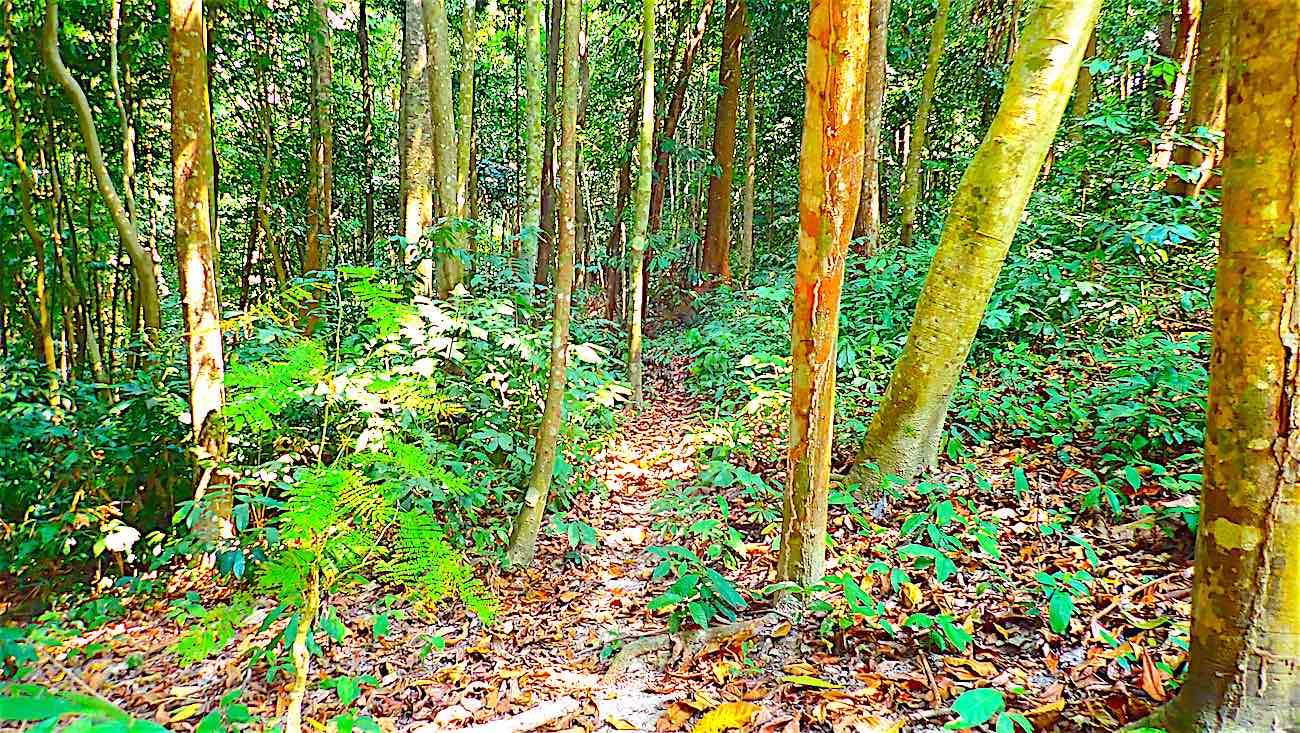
[(806, 680), (728, 716)]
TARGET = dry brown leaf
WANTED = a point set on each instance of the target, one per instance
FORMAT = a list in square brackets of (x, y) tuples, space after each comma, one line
[(728, 716)]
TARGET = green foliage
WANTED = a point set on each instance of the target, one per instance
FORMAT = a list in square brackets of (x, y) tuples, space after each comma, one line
[(47, 709), (699, 593)]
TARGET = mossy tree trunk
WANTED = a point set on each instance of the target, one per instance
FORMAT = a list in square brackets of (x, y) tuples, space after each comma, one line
[(904, 434), (717, 225), (641, 201), (867, 225), (830, 181), (416, 185), (196, 253), (528, 523), (1245, 634), (911, 193)]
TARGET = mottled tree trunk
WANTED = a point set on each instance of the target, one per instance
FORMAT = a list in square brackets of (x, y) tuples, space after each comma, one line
[(530, 228), (523, 539), (141, 261), (1209, 95), (867, 225), (904, 434), (416, 186), (320, 186), (1184, 51), (445, 150), (1245, 645), (911, 193), (830, 181), (717, 226), (196, 256), (641, 201)]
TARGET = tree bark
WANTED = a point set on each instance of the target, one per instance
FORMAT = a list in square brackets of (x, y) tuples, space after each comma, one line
[(867, 225), (1184, 51), (1245, 649), (717, 227), (673, 115), (546, 241), (1209, 95), (1083, 90), (141, 261), (320, 186), (417, 145), (465, 109), (450, 268), (641, 202), (911, 192), (195, 249), (745, 257), (530, 229), (830, 173), (904, 434), (523, 539), (367, 133)]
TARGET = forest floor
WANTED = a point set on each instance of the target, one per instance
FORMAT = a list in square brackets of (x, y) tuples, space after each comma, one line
[(564, 620)]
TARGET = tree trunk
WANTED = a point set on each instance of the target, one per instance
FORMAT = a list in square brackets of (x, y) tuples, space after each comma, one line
[(546, 241), (614, 243), (367, 133), (417, 145), (641, 202), (195, 249), (830, 173), (465, 109), (530, 229), (1209, 95), (523, 539), (1083, 91), (717, 227), (450, 268), (745, 258), (141, 261), (867, 225), (1184, 51), (320, 187), (1245, 650), (911, 192), (264, 179), (673, 115), (904, 435)]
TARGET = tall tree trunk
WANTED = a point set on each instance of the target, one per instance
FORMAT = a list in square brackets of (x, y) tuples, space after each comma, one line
[(417, 145), (1209, 94), (267, 131), (523, 539), (320, 186), (614, 243), (830, 173), (141, 261), (867, 225), (367, 133), (546, 241), (1083, 90), (641, 202), (450, 268), (1189, 20), (1245, 650), (673, 115), (911, 192), (195, 249), (745, 257), (530, 229), (717, 227), (904, 434), (465, 108)]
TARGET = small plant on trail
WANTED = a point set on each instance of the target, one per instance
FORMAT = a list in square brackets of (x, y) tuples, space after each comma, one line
[(700, 593), (977, 707), (1061, 589)]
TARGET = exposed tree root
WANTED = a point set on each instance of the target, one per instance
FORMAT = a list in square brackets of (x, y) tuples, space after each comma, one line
[(683, 645), (1153, 719), (530, 719)]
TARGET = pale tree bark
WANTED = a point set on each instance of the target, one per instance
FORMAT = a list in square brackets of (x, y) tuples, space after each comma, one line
[(1083, 90), (416, 186), (641, 201), (530, 228), (44, 329), (450, 268), (320, 186), (867, 225), (1245, 633), (523, 538), (465, 108), (1184, 52), (141, 261), (717, 225), (830, 180), (904, 434), (196, 254), (911, 193), (1209, 95), (745, 257), (128, 132)]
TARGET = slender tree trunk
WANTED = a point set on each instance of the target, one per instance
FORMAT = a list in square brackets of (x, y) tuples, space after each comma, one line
[(641, 201), (367, 133), (1209, 95), (904, 435), (530, 230), (523, 539), (830, 173), (546, 241), (195, 249), (717, 228), (267, 131), (868, 224), (1083, 90), (614, 243), (465, 108), (916, 152), (1245, 649), (1184, 51), (320, 187), (450, 268), (417, 145), (673, 115), (141, 261), (745, 258)]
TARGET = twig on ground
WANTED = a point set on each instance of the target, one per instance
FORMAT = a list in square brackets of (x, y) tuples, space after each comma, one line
[(1185, 572), (690, 642)]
